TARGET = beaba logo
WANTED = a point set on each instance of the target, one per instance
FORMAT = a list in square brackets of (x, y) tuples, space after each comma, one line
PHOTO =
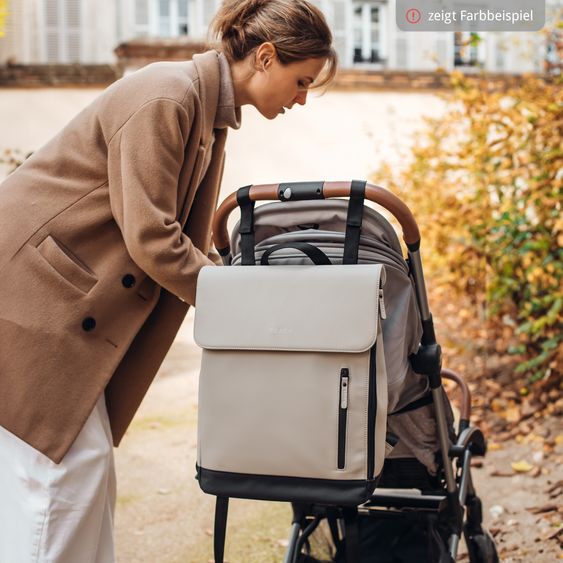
[(280, 331)]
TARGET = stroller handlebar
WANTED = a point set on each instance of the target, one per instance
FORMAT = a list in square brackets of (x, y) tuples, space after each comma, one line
[(316, 190)]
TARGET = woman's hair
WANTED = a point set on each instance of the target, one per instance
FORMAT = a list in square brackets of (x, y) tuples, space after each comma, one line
[(296, 28)]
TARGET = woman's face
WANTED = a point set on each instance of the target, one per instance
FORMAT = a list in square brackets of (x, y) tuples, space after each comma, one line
[(275, 87)]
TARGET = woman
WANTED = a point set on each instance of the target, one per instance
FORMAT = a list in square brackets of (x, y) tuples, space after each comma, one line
[(104, 231)]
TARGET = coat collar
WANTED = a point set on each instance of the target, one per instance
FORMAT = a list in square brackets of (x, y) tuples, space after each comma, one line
[(216, 93), (227, 114)]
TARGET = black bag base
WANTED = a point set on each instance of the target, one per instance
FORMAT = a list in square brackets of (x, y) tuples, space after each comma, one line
[(285, 489)]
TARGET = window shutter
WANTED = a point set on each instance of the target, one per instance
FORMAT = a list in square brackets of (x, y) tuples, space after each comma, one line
[(183, 26), (163, 18), (62, 30), (13, 38), (72, 30), (442, 52), (52, 30), (141, 18), (402, 53), (338, 21), (499, 53)]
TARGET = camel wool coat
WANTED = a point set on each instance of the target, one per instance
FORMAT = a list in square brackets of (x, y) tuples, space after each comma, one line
[(102, 234)]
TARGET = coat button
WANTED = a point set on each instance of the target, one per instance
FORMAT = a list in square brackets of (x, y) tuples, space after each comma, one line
[(89, 324), (128, 280)]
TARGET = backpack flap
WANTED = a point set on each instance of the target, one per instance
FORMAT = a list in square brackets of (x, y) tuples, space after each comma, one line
[(293, 385), (294, 308)]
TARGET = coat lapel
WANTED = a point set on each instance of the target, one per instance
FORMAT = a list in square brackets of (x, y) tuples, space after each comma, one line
[(207, 67)]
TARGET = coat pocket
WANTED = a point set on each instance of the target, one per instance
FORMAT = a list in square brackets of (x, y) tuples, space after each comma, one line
[(66, 264)]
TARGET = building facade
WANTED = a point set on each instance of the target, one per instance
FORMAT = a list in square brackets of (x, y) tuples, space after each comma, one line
[(366, 35)]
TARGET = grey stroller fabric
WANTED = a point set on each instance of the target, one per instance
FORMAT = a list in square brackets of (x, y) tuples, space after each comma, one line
[(323, 223)]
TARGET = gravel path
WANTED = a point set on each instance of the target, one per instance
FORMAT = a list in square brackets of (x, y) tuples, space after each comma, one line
[(163, 517)]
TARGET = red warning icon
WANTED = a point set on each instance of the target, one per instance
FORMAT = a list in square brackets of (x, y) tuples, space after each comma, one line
[(413, 15)]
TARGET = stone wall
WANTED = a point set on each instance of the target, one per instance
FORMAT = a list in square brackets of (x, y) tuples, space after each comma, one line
[(41, 75), (135, 54), (410, 80)]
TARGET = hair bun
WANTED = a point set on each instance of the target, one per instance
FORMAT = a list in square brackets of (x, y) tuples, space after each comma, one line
[(235, 14), (297, 29)]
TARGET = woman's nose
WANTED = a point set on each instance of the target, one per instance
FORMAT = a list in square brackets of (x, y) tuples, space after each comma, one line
[(301, 98)]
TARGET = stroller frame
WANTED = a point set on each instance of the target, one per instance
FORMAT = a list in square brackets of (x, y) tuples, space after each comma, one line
[(459, 503)]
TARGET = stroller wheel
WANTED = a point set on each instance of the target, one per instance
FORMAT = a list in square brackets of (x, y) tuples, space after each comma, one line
[(481, 548)]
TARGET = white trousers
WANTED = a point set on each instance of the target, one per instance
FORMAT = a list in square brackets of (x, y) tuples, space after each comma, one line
[(59, 513)]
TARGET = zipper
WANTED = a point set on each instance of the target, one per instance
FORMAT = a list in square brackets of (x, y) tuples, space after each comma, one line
[(343, 416), (382, 312), (372, 410)]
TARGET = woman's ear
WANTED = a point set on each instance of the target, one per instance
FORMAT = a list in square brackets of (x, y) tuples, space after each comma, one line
[(265, 55)]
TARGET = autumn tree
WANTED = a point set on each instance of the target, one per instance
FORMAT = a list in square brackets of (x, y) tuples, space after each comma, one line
[(485, 184)]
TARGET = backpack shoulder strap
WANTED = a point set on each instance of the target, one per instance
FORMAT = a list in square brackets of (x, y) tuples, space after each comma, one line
[(220, 528), (352, 530)]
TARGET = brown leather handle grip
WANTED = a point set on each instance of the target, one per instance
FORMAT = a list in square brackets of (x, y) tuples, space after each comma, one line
[(262, 192), (465, 393)]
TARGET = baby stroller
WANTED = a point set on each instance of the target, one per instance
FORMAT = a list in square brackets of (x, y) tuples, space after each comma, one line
[(425, 487)]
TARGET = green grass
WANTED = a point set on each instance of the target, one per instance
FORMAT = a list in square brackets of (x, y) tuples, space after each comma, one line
[(187, 419), (254, 531), (126, 500), (257, 532)]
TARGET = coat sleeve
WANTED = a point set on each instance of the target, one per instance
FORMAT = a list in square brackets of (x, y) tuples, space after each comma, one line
[(144, 161)]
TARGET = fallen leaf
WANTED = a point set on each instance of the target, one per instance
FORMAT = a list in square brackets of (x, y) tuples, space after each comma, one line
[(164, 491), (542, 509), (521, 466), (499, 473), (535, 472), (555, 487), (493, 446), (497, 406), (556, 535)]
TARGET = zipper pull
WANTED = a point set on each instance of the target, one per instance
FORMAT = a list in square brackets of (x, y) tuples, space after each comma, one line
[(344, 383), (382, 305)]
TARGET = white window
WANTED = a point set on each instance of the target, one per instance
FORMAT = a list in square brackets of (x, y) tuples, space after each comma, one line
[(468, 49), (63, 20), (164, 18), (182, 23), (161, 18), (336, 11), (141, 18), (368, 29)]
